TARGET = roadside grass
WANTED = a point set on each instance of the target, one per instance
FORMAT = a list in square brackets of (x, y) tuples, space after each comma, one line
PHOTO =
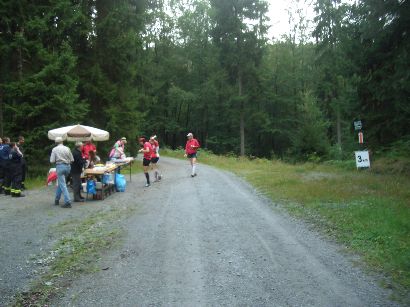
[(36, 176), (81, 243), (368, 213), (35, 182)]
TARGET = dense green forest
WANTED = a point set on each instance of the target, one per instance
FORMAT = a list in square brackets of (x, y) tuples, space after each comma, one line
[(167, 67)]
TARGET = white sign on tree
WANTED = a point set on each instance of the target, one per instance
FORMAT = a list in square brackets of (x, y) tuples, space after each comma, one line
[(362, 159), (357, 125)]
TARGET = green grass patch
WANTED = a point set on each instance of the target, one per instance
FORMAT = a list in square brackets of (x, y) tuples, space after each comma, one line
[(136, 167), (366, 211), (36, 182), (75, 252)]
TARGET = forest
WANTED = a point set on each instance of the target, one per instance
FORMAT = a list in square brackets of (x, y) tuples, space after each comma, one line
[(169, 67)]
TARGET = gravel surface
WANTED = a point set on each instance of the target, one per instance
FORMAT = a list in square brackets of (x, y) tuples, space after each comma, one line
[(210, 240), (27, 234)]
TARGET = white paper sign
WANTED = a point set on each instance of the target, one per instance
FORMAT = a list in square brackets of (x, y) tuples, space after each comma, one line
[(357, 125), (362, 159)]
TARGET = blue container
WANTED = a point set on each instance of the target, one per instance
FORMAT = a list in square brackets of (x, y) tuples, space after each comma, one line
[(120, 182)]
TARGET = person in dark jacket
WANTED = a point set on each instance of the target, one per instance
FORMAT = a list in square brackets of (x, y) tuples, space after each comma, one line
[(76, 169), (5, 175), (1, 168), (20, 145), (16, 170)]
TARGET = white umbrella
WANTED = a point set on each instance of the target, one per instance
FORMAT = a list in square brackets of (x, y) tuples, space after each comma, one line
[(79, 133)]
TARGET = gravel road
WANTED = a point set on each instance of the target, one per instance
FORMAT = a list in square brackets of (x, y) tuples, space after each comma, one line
[(204, 241)]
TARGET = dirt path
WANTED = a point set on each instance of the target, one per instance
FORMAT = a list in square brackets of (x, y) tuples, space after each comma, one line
[(203, 241)]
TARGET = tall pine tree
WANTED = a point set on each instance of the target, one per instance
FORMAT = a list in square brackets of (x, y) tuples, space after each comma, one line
[(239, 33)]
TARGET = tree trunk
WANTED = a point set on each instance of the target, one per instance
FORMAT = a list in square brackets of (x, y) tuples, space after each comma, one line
[(1, 113), (187, 116), (20, 58), (242, 115), (242, 129), (338, 129), (205, 126)]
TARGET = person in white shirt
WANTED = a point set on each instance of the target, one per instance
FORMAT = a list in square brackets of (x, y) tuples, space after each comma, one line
[(62, 157)]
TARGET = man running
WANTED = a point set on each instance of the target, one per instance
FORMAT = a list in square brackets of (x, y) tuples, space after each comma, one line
[(191, 149)]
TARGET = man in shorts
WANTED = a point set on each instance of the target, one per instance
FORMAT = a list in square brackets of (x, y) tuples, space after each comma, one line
[(191, 148)]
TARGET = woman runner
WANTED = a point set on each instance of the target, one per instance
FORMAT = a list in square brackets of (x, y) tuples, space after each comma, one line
[(155, 157), (147, 150)]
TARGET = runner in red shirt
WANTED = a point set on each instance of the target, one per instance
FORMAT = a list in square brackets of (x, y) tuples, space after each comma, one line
[(155, 157), (191, 148), (147, 150)]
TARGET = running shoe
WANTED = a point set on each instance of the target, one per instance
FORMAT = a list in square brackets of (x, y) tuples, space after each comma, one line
[(147, 185)]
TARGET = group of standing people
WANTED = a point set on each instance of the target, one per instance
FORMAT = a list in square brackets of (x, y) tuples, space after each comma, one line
[(13, 167), (73, 162)]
